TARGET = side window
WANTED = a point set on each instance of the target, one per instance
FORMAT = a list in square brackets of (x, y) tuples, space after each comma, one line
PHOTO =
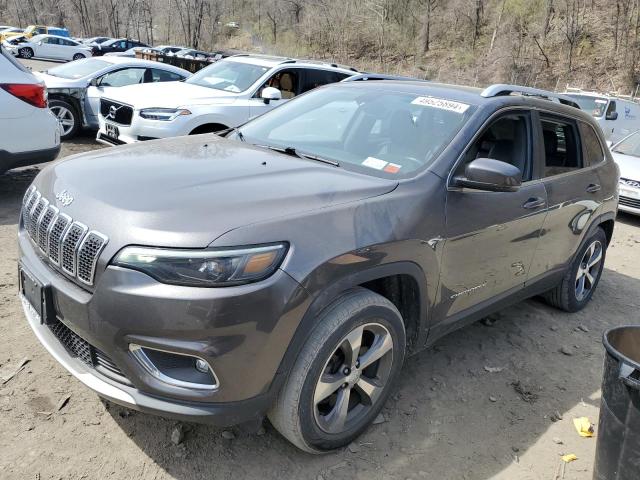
[(611, 109), (561, 147), (287, 81), (314, 77), (507, 139), (120, 78), (592, 148), (157, 75)]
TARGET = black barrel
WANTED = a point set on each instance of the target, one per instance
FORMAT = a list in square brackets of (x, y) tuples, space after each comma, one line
[(618, 448)]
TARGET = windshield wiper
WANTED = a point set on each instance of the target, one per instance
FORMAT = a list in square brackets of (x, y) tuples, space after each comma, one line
[(293, 152), (227, 131)]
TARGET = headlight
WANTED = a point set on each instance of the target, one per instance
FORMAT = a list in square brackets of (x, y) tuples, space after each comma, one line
[(204, 268), (164, 114)]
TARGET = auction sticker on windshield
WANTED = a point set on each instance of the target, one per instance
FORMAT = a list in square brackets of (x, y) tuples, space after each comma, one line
[(442, 104)]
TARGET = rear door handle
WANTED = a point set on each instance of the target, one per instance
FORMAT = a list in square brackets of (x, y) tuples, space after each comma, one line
[(534, 202), (593, 188)]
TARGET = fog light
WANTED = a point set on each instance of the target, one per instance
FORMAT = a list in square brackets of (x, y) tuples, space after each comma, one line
[(202, 366)]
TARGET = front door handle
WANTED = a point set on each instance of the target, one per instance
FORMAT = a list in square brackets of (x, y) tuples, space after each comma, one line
[(534, 202), (593, 188)]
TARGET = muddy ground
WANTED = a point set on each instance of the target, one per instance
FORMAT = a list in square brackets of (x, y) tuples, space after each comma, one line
[(450, 418)]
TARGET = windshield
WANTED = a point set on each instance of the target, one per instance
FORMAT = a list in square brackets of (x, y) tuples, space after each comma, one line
[(383, 133), (228, 76), (629, 146), (79, 68), (593, 105)]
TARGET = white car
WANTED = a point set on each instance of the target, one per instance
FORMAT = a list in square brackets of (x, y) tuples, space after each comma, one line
[(223, 95), (29, 132), (75, 88), (50, 47), (626, 154)]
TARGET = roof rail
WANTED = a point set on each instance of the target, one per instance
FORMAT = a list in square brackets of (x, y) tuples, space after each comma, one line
[(502, 89), (380, 76)]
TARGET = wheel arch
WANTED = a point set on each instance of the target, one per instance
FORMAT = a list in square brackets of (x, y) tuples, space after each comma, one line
[(210, 127), (399, 282)]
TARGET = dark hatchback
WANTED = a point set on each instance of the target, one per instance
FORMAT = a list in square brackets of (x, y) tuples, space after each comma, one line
[(289, 268)]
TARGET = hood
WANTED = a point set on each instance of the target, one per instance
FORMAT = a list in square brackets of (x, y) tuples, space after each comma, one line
[(52, 81), (187, 191), (629, 166), (170, 95)]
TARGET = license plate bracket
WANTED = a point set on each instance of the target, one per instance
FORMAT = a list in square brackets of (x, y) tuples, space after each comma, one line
[(37, 294), (112, 131)]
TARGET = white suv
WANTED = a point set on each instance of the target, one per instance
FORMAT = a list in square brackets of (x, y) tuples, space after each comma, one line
[(29, 132), (226, 94)]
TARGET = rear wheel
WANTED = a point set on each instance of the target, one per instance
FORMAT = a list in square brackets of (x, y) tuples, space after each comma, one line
[(78, 56), (343, 374), (581, 279), (26, 52), (67, 116)]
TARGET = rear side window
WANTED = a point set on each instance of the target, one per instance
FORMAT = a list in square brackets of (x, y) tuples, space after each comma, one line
[(561, 147), (313, 78), (592, 147), (158, 75)]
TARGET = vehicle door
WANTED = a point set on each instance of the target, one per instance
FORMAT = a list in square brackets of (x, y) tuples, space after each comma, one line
[(569, 172), (491, 236), (45, 47), (287, 80), (67, 49), (114, 79)]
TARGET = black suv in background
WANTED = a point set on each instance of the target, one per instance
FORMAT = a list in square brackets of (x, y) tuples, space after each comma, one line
[(288, 268), (115, 45)]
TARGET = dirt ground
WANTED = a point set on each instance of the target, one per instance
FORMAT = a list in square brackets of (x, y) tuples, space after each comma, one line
[(453, 416)]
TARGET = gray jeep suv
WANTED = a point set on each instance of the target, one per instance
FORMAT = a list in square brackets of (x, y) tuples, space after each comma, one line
[(288, 269)]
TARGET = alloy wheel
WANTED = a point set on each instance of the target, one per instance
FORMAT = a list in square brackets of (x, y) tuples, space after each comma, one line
[(353, 378), (588, 270), (65, 118), (78, 56), (26, 53)]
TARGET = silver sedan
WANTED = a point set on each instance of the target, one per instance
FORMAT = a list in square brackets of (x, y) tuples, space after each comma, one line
[(75, 88)]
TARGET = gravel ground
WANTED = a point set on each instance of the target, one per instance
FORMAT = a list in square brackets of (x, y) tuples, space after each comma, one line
[(487, 402)]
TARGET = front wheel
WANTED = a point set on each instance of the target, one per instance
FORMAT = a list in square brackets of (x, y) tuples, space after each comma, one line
[(582, 277), (26, 52), (344, 373), (78, 56), (67, 116)]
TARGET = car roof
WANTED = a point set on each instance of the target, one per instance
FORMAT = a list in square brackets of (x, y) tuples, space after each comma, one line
[(139, 61), (273, 61), (49, 35)]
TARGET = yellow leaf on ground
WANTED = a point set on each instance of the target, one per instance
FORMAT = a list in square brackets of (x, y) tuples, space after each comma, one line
[(569, 457), (583, 426)]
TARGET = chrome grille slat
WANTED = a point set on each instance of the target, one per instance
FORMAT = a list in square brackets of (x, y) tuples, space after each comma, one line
[(58, 229), (69, 245), (88, 253), (43, 227)]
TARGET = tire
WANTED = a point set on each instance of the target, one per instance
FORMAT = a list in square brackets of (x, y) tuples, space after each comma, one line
[(78, 56), (568, 295), (301, 413), (25, 52), (68, 117)]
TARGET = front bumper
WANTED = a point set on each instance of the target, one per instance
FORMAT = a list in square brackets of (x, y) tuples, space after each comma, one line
[(143, 129), (242, 332)]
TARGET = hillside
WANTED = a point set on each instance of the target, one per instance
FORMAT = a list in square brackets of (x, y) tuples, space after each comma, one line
[(547, 43)]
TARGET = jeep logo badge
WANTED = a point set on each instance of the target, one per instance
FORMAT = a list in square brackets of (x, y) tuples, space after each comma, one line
[(64, 198)]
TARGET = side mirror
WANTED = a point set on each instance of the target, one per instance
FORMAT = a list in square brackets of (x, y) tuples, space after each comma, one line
[(491, 175), (270, 93), (39, 43), (611, 116), (94, 82)]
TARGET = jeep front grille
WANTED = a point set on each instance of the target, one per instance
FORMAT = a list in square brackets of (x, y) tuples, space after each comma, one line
[(69, 245)]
